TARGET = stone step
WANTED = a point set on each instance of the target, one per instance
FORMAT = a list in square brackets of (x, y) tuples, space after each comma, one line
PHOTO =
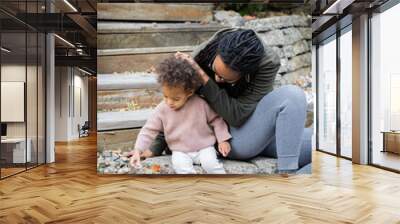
[(111, 161), (154, 12), (112, 27), (134, 59), (127, 92), (116, 140), (116, 162), (142, 51), (127, 100), (127, 81), (107, 121), (111, 35)]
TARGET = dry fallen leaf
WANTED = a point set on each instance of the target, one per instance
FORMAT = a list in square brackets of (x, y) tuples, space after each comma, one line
[(247, 17), (156, 168)]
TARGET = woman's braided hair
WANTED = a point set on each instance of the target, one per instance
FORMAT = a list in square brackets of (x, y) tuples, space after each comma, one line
[(241, 50)]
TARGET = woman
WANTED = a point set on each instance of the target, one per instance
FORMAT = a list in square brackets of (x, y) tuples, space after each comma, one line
[(238, 70)]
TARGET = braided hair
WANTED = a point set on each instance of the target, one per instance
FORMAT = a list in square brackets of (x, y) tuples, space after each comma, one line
[(242, 51)]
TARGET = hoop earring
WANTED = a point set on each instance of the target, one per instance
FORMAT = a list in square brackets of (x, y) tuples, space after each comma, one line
[(247, 77)]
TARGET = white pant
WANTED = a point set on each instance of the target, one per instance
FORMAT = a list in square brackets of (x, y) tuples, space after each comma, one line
[(183, 162)]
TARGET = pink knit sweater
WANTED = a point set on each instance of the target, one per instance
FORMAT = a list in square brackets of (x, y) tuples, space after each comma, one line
[(193, 127)]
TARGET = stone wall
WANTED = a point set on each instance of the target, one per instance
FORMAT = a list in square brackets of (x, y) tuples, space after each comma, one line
[(290, 37)]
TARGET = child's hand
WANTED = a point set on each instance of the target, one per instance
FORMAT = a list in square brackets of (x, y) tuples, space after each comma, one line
[(135, 158), (146, 153), (224, 148)]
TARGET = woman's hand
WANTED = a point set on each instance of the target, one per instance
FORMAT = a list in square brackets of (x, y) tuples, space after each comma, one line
[(203, 76), (224, 148)]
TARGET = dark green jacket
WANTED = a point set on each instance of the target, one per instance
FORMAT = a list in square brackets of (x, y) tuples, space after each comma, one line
[(233, 102)]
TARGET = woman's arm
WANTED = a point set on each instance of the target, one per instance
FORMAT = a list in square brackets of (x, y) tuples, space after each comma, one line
[(229, 108), (159, 145), (236, 111)]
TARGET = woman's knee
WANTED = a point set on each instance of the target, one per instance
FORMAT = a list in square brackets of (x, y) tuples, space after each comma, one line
[(294, 98), (243, 154), (295, 93), (285, 94)]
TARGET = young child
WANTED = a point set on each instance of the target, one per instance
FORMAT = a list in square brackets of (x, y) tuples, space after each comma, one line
[(190, 126)]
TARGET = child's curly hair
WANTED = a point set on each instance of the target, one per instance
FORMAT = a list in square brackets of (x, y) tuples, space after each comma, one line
[(177, 72)]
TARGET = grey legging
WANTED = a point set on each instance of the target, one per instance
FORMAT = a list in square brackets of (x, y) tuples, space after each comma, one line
[(276, 129)]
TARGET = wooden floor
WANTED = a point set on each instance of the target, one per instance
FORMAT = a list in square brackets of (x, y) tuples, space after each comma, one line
[(70, 191), (387, 159), (5, 172), (10, 171)]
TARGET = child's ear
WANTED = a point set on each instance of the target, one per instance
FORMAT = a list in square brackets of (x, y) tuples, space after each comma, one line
[(190, 93)]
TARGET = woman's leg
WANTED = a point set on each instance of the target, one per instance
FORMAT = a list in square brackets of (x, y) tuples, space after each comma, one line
[(279, 117), (305, 149)]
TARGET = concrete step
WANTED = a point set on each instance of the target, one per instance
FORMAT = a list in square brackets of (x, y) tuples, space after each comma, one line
[(134, 59), (128, 100), (112, 35), (263, 166), (154, 12), (127, 92), (107, 121), (116, 140), (116, 162), (125, 81)]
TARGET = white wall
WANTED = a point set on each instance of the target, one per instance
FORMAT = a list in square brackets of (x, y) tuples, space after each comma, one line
[(14, 73), (33, 125), (62, 81), (13, 100), (79, 117), (69, 82)]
